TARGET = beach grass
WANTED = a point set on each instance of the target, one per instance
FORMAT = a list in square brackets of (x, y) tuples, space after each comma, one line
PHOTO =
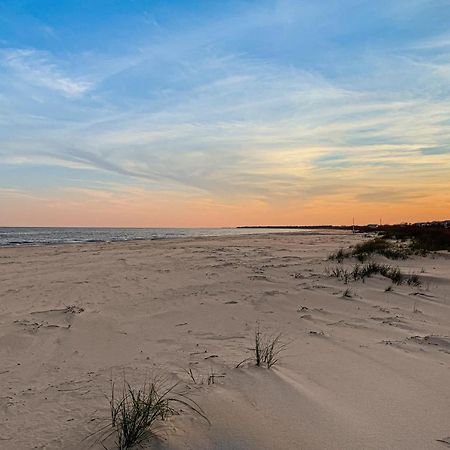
[(413, 280), (266, 350), (363, 271), (348, 293), (339, 255), (136, 412), (378, 245)]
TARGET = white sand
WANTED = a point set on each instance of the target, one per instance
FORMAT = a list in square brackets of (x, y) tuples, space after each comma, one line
[(359, 382)]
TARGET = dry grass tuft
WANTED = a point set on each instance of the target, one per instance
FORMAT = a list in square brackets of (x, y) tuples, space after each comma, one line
[(267, 349), (137, 412), (361, 272)]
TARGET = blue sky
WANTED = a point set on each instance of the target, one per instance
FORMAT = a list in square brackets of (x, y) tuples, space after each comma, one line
[(270, 111)]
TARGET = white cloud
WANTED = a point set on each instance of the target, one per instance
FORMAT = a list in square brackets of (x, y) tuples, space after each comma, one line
[(37, 68), (252, 128)]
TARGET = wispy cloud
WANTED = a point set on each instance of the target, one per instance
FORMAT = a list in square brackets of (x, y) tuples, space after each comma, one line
[(35, 67), (253, 128)]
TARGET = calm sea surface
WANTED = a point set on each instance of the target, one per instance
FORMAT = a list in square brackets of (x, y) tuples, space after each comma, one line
[(50, 236)]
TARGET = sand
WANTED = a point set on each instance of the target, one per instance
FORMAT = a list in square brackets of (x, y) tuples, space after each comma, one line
[(367, 372)]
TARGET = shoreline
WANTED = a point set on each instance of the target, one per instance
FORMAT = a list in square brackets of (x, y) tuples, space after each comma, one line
[(131, 240)]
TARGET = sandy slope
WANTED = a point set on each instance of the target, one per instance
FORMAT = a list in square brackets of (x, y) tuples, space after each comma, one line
[(358, 374)]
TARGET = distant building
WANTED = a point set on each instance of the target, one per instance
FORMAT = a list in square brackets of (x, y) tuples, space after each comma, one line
[(435, 223)]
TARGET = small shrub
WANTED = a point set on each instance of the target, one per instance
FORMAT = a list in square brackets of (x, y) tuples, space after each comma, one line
[(361, 257), (422, 240)]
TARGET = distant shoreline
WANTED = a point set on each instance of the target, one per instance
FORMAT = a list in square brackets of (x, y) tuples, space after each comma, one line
[(32, 236), (297, 227)]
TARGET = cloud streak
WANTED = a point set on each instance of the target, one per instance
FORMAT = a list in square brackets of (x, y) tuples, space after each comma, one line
[(36, 68)]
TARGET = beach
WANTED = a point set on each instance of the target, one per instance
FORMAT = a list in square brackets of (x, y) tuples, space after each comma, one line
[(366, 364)]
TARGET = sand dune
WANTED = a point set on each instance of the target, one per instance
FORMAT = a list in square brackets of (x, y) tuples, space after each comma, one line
[(366, 371)]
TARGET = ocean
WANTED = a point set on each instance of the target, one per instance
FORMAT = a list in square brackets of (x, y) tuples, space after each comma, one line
[(22, 236)]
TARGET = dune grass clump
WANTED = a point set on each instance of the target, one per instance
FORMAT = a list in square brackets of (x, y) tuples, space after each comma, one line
[(413, 280), (267, 349), (137, 412), (339, 255), (379, 246), (339, 272), (399, 242), (348, 293), (395, 274), (361, 272), (385, 270)]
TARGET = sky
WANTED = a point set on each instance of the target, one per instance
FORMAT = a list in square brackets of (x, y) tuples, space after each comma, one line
[(183, 113)]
